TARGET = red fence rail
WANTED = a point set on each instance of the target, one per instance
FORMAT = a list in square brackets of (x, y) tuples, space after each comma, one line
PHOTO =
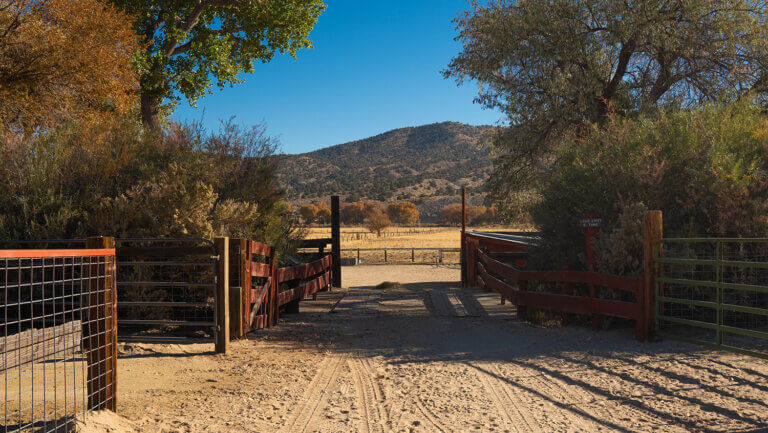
[(480, 269), (256, 302), (311, 277)]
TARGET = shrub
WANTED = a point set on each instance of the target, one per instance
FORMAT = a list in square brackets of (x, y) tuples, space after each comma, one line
[(323, 212), (706, 169), (476, 215), (451, 214), (188, 183), (308, 213)]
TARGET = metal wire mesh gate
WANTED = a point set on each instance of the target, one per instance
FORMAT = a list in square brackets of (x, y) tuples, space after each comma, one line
[(58, 348), (714, 292), (166, 288)]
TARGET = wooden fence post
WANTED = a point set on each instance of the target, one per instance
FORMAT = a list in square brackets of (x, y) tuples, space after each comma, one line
[(653, 232), (274, 308), (102, 329), (336, 242), (463, 251), (245, 276), (222, 295)]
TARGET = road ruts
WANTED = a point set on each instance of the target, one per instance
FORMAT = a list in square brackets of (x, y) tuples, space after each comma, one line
[(563, 394), (371, 398), (305, 414), (515, 416)]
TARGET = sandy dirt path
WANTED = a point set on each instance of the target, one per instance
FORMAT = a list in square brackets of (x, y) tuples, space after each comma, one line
[(433, 357)]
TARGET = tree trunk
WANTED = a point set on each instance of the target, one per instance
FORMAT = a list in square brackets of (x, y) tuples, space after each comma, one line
[(150, 112)]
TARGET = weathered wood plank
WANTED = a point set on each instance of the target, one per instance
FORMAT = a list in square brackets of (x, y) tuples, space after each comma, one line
[(36, 345)]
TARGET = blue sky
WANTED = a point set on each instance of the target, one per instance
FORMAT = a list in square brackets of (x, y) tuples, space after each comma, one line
[(375, 67)]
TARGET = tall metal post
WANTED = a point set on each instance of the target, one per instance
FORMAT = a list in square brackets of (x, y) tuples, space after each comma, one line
[(222, 295)]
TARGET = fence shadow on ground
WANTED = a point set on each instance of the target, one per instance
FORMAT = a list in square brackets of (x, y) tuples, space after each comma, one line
[(590, 363)]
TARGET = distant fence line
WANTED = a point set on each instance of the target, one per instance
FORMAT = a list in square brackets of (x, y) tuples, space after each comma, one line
[(439, 254), (360, 235)]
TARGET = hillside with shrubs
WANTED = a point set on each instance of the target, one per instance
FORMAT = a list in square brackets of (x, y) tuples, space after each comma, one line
[(425, 165)]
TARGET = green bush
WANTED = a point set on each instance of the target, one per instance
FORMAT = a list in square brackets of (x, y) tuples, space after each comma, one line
[(704, 168)]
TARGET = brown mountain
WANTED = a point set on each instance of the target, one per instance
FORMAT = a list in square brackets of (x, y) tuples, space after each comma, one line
[(426, 165)]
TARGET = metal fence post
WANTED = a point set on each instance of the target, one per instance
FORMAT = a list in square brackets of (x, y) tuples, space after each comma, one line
[(102, 329), (463, 251), (237, 294), (719, 279), (222, 295)]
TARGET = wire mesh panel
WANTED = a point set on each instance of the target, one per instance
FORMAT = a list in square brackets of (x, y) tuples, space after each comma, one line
[(715, 292), (166, 288), (57, 343)]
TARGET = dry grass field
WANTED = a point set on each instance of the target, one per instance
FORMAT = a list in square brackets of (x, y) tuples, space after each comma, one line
[(353, 238)]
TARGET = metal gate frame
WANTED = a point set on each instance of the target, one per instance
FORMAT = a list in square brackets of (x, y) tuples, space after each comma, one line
[(167, 251), (718, 264)]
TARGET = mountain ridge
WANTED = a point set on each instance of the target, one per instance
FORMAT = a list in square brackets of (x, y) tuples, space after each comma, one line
[(424, 164)]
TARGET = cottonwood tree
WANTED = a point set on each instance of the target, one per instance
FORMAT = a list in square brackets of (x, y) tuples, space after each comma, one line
[(61, 59), (193, 44), (554, 66), (404, 213), (377, 221), (308, 213)]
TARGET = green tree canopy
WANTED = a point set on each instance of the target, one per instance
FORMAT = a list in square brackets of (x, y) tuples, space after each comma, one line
[(556, 65), (192, 44)]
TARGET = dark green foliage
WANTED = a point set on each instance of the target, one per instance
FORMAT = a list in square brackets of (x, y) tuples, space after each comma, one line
[(191, 46), (555, 67), (706, 169)]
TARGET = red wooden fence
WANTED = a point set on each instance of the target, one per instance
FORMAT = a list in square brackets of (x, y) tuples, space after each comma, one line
[(513, 284), (256, 303)]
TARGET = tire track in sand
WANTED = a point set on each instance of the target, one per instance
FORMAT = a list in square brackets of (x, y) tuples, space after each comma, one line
[(304, 415), (370, 400), (505, 400), (567, 395), (430, 416)]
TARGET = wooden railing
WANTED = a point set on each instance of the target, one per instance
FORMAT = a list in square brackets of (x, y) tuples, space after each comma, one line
[(255, 294), (496, 262), (417, 255), (310, 277), (514, 285)]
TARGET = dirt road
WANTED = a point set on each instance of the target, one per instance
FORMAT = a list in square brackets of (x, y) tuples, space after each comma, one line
[(432, 357)]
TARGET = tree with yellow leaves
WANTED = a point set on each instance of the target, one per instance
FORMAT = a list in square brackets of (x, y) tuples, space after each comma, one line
[(64, 59)]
